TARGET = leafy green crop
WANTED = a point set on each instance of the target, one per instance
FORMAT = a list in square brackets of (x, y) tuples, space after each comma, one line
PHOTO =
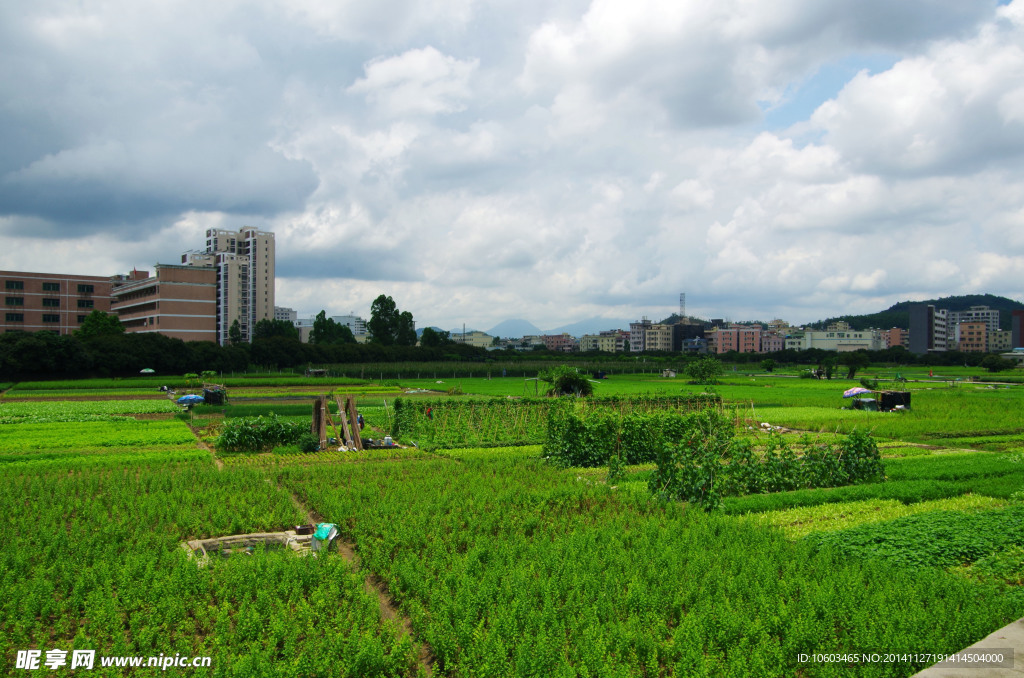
[(936, 539), (259, 434)]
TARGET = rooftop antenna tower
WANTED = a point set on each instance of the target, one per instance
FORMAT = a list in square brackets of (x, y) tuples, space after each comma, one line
[(682, 306)]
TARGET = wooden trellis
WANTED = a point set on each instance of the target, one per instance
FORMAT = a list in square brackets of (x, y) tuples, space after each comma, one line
[(349, 436)]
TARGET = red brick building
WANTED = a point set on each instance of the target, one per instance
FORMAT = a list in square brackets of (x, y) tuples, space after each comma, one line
[(58, 302)]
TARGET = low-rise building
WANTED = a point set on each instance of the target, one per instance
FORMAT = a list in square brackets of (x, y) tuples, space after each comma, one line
[(972, 336), (177, 301), (564, 342), (999, 341), (475, 338), (738, 338), (989, 316), (839, 337), (288, 315), (772, 343), (895, 336), (57, 302)]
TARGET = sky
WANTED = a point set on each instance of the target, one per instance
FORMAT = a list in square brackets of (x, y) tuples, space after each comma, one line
[(550, 160)]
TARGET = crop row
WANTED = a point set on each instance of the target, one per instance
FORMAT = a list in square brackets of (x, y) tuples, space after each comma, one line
[(179, 381), (96, 564), (123, 433), (475, 423), (78, 411), (514, 568), (911, 480)]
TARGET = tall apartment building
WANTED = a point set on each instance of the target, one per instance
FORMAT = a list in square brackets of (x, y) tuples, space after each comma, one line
[(244, 263), (929, 327), (58, 302), (1017, 329), (638, 335), (177, 301)]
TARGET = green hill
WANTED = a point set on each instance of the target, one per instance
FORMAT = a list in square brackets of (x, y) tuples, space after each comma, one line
[(898, 315)]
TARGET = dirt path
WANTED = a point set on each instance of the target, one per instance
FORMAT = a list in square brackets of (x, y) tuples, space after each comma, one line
[(202, 444), (374, 586)]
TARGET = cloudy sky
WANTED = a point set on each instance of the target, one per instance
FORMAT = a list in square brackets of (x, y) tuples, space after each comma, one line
[(551, 160)]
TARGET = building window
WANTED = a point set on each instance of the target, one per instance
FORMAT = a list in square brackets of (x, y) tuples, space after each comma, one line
[(51, 287), (14, 285), (51, 303), (15, 317), (81, 318), (15, 301), (85, 303), (51, 318), (85, 289)]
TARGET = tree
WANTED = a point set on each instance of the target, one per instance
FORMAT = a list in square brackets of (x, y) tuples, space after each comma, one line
[(854, 361), (329, 331), (267, 328), (432, 338), (235, 333), (405, 332), (705, 370), (383, 323), (768, 365), (996, 363), (388, 326), (99, 324)]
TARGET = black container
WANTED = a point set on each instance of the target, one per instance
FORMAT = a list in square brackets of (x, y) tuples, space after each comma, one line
[(890, 399)]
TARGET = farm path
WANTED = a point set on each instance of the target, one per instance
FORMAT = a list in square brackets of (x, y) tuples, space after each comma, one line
[(374, 586), (372, 583), (204, 445)]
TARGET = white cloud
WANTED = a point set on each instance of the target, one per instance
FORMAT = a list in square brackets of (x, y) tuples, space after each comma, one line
[(951, 110), (548, 160), (419, 81)]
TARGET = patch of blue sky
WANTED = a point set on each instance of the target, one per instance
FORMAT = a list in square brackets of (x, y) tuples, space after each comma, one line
[(802, 98)]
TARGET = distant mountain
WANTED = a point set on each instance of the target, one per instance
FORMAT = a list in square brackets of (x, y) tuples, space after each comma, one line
[(591, 326), (515, 328), (898, 315)]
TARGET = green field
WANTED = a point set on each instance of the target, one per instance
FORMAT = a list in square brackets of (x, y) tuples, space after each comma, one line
[(485, 559)]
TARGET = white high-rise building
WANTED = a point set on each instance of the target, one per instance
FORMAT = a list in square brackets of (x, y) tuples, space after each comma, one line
[(244, 261)]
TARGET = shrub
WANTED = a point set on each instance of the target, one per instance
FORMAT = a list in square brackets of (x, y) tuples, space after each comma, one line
[(566, 380), (706, 464)]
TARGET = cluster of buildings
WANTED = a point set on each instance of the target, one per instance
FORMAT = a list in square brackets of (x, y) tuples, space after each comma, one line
[(973, 330), (221, 291), (229, 283)]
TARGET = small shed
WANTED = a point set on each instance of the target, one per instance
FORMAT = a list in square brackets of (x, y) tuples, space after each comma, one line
[(215, 394)]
